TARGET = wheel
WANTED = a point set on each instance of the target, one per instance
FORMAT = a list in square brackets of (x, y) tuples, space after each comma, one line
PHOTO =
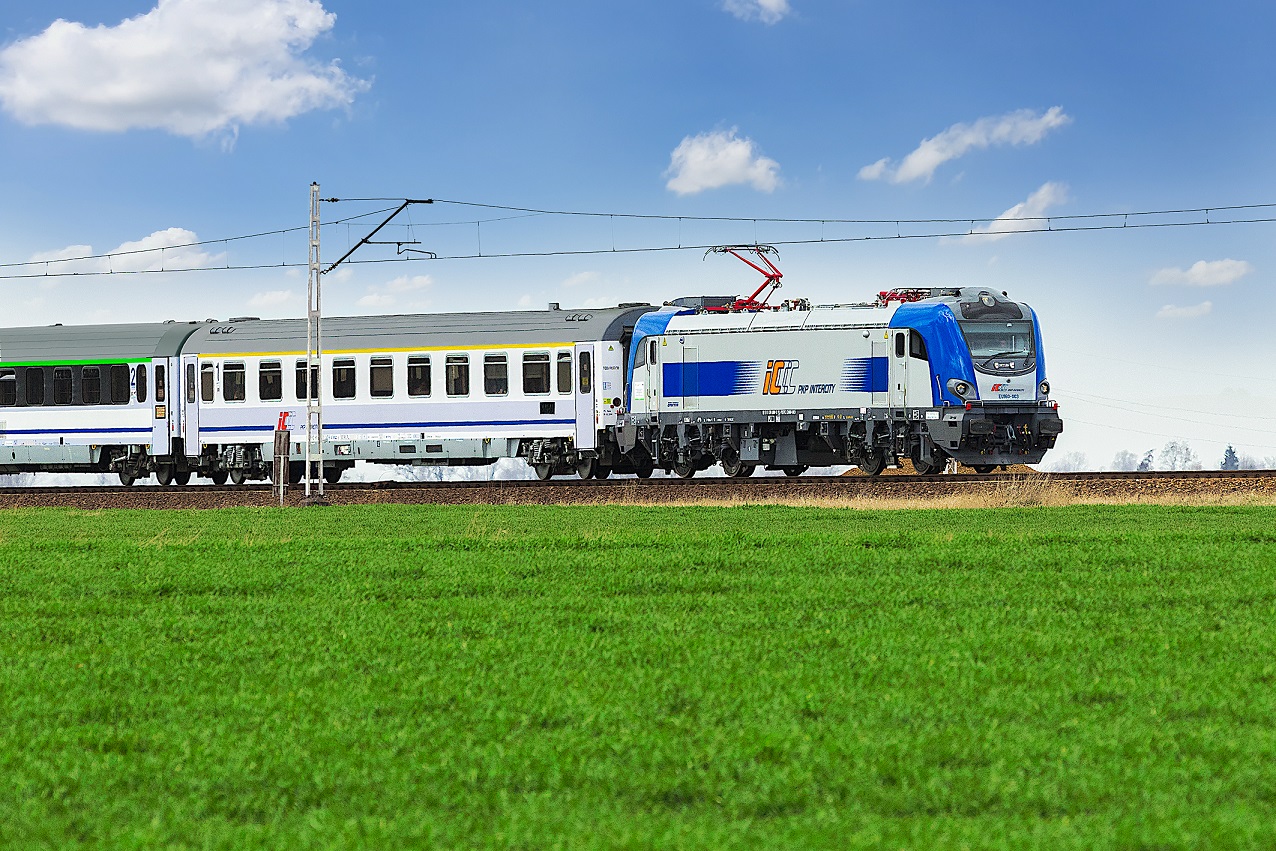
[(932, 468), (182, 477), (164, 474), (684, 470), (645, 467), (238, 476), (602, 472), (794, 471), (127, 478), (544, 472), (874, 463), (219, 478), (733, 466), (332, 474), (586, 467), (984, 469)]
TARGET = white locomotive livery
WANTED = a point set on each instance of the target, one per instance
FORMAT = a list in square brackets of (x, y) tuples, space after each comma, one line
[(926, 375)]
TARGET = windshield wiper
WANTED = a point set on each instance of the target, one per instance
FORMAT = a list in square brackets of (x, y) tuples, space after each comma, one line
[(1012, 352)]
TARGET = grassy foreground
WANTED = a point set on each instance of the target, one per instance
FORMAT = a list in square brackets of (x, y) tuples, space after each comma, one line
[(1091, 676)]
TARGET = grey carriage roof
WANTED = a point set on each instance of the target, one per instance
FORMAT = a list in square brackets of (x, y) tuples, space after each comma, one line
[(92, 343), (419, 331)]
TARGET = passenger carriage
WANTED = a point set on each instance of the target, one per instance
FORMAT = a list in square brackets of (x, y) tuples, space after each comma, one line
[(91, 399), (450, 389)]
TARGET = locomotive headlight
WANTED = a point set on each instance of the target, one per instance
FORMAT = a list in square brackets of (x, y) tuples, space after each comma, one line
[(961, 389), (1044, 387)]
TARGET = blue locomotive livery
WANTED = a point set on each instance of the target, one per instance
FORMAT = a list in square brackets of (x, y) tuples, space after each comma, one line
[(933, 376)]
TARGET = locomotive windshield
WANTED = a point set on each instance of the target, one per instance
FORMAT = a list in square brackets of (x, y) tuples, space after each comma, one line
[(1000, 345)]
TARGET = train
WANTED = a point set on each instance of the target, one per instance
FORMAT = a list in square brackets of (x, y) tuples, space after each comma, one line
[(934, 376)]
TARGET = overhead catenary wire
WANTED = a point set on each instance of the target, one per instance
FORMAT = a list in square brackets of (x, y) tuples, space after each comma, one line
[(612, 250)]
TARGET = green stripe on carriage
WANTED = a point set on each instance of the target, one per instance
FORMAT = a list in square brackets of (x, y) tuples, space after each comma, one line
[(116, 361)]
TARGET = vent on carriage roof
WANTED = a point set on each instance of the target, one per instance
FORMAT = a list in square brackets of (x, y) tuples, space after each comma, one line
[(704, 301), (246, 319)]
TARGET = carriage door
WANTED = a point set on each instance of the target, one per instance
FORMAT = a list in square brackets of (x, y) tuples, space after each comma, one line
[(190, 403), (586, 418), (898, 370), (652, 390), (161, 411), (879, 373)]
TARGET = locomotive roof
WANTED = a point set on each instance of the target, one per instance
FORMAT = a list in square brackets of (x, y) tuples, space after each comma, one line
[(92, 343), (418, 331)]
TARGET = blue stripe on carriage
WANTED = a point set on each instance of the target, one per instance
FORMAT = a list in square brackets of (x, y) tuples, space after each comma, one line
[(459, 424), (145, 431)]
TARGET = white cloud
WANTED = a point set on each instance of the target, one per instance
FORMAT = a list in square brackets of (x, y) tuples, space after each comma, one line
[(273, 298), (1021, 127), (580, 279), (713, 160), (164, 250), (381, 296), (190, 67), (766, 11), (1197, 310), (1205, 273), (1011, 221), (409, 283), (377, 300)]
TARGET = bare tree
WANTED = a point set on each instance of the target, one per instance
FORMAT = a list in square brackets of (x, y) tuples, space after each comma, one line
[(1125, 461), (1177, 455), (1070, 463)]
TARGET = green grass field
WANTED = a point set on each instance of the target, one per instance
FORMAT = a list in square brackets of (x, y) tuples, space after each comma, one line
[(1090, 676)]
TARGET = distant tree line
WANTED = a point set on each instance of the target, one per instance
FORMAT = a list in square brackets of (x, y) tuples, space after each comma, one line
[(1175, 455)]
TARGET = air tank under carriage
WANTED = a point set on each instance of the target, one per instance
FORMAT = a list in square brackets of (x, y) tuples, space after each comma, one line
[(929, 375)]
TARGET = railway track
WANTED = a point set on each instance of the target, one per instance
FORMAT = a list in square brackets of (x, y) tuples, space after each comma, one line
[(653, 491)]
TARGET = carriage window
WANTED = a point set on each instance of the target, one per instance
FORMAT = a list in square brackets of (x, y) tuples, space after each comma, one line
[(654, 352), (640, 357), (418, 375), (159, 383), (91, 386), (62, 386), (899, 345), (536, 372), (564, 372), (190, 382), (141, 382), (8, 388), (206, 382), (119, 384), (234, 382), (34, 379), (917, 347), (301, 381), (496, 375), (343, 378), (458, 375), (35, 382), (586, 372), (270, 381), (381, 377)]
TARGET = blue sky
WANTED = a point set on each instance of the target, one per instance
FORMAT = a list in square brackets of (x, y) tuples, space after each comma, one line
[(145, 124)]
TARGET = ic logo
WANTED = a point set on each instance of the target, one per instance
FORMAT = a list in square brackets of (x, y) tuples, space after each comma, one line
[(779, 378)]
